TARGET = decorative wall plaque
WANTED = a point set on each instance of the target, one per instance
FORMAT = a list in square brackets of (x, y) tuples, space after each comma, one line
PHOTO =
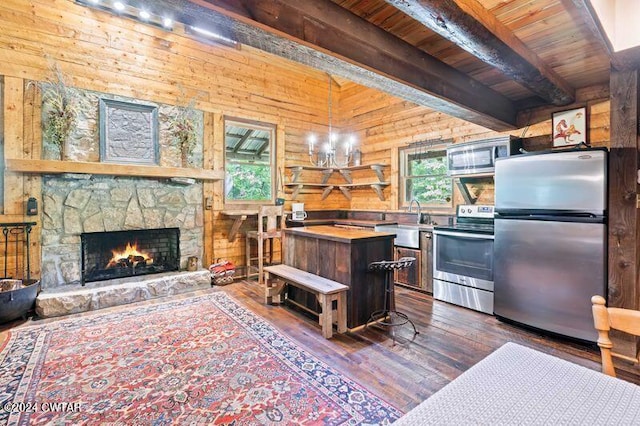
[(128, 132)]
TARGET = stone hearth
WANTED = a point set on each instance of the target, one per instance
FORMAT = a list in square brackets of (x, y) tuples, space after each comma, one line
[(72, 299)]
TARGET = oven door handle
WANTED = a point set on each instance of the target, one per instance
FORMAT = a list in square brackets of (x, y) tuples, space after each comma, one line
[(468, 235)]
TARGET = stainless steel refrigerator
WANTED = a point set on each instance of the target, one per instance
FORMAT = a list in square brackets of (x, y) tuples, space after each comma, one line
[(551, 239)]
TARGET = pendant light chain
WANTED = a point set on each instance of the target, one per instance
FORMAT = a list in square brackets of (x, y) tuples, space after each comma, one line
[(327, 157)]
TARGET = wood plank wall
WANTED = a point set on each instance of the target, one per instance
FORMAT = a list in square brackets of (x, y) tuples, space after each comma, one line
[(105, 53), (384, 123), (17, 188)]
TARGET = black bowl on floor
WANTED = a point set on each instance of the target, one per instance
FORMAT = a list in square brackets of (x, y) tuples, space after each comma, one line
[(16, 303)]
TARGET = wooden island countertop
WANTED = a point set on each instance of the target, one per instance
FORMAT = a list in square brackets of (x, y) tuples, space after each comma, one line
[(342, 235), (362, 223), (342, 255)]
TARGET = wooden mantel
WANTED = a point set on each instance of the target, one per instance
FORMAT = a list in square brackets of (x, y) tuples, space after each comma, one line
[(56, 167)]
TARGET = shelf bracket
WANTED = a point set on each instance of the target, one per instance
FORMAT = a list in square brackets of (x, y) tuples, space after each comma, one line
[(346, 192), (326, 174), (296, 191), (378, 189), (295, 173), (237, 223), (326, 192), (346, 174), (378, 169), (464, 191)]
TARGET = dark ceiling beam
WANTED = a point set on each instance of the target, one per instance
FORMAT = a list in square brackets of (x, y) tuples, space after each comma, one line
[(472, 27), (325, 25), (325, 36)]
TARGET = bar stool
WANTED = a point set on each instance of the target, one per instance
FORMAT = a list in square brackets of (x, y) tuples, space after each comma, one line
[(273, 218), (388, 316)]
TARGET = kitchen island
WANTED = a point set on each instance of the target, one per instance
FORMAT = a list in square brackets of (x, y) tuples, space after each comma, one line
[(342, 255)]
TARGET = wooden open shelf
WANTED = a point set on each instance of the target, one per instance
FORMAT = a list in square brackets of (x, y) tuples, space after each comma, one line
[(344, 187), (326, 187), (360, 167), (344, 171), (57, 167)]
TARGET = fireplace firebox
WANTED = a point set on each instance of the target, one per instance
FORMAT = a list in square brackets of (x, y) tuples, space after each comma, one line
[(119, 254)]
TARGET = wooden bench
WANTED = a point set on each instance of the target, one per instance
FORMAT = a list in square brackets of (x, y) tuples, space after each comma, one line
[(325, 290)]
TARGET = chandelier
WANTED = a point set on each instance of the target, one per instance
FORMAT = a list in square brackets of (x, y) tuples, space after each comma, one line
[(328, 155)]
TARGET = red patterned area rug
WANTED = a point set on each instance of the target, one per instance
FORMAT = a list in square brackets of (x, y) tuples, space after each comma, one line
[(202, 360)]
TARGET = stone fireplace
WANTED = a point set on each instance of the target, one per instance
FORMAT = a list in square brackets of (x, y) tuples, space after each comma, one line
[(121, 254), (75, 206), (87, 217)]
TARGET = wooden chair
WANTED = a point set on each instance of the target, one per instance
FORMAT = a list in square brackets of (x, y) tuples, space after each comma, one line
[(604, 319), (273, 218)]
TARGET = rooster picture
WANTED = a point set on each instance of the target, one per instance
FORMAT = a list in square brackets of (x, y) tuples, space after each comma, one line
[(569, 130)]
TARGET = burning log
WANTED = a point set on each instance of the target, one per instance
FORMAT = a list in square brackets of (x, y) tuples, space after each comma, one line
[(129, 257), (122, 263)]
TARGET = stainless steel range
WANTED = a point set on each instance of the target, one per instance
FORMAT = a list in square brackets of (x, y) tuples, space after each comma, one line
[(463, 259)]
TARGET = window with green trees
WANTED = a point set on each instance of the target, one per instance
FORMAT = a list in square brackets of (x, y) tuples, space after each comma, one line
[(423, 176), (249, 162)]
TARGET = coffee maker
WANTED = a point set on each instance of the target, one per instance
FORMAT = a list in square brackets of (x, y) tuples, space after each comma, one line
[(297, 211)]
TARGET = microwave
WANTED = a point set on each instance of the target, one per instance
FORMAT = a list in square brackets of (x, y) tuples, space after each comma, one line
[(480, 157)]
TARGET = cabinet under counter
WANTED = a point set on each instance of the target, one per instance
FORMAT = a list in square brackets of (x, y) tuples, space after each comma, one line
[(342, 255)]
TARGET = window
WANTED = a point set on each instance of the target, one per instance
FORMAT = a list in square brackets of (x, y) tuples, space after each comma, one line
[(423, 176), (250, 162)]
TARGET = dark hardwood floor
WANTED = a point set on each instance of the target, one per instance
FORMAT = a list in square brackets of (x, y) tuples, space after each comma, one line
[(451, 339)]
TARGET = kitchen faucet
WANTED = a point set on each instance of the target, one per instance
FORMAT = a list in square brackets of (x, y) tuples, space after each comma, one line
[(413, 200)]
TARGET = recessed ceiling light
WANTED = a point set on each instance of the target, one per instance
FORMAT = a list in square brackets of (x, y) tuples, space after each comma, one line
[(144, 14), (119, 6), (167, 22)]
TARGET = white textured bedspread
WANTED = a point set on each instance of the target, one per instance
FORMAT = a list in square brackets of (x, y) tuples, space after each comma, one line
[(516, 385)]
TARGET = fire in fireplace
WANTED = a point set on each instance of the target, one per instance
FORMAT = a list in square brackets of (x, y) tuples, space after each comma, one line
[(118, 254)]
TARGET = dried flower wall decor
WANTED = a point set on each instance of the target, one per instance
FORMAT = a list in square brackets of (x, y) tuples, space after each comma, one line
[(184, 130), (60, 110)]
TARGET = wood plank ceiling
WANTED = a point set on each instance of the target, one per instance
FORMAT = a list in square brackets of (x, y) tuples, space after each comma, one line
[(509, 20), (482, 61)]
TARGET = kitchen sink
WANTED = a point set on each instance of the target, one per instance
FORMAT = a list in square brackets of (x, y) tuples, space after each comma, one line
[(406, 235)]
